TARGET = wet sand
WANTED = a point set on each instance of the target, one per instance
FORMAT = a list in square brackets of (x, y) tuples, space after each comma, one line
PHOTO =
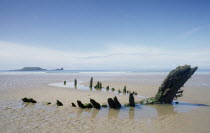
[(191, 115)]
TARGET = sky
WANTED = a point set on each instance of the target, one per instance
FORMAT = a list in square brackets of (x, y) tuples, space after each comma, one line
[(104, 34)]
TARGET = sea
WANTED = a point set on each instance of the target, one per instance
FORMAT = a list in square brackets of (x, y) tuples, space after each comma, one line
[(102, 72)]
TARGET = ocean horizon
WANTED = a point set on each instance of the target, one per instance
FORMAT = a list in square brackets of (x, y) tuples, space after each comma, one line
[(139, 71)]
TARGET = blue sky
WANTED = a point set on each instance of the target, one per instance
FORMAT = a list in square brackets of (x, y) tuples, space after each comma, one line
[(104, 34)]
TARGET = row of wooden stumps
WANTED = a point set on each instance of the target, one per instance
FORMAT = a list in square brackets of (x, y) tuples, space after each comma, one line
[(99, 86), (31, 100), (75, 82), (112, 103)]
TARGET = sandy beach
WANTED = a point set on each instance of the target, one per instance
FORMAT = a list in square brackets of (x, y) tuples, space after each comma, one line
[(191, 115)]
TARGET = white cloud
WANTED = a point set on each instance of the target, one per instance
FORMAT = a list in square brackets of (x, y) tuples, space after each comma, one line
[(118, 56), (191, 32)]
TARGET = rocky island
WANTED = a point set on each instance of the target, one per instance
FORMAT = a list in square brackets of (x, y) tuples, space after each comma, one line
[(31, 69), (59, 69)]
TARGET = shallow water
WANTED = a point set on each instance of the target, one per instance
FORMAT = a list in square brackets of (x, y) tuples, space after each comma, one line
[(80, 86)]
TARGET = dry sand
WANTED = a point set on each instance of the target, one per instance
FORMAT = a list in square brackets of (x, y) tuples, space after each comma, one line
[(191, 115)]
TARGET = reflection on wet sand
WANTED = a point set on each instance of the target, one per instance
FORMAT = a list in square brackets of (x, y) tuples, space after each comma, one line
[(26, 104), (139, 112), (94, 112), (131, 112), (164, 109), (113, 113), (79, 113)]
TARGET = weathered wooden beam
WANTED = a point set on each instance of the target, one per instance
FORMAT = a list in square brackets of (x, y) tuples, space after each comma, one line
[(168, 90)]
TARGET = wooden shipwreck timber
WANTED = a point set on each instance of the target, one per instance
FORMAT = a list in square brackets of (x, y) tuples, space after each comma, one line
[(169, 90)]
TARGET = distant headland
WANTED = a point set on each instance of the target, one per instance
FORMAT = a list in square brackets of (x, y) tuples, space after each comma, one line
[(36, 69), (30, 69)]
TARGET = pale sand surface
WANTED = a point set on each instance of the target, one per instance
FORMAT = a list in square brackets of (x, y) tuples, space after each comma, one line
[(40, 118)]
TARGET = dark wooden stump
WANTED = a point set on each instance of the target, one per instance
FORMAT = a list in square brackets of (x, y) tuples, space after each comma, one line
[(131, 100), (73, 105), (111, 103), (95, 104), (80, 104), (59, 103), (117, 103)]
